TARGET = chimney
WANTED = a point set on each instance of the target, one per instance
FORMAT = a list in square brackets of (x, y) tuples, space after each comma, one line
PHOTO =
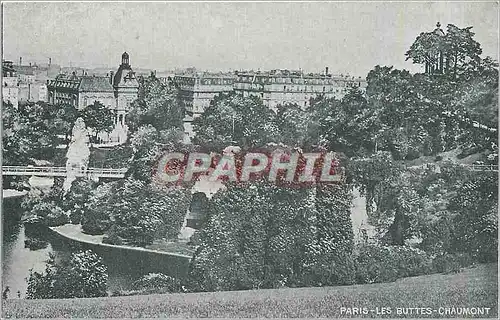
[(326, 71), (111, 77), (20, 61), (30, 64), (50, 61)]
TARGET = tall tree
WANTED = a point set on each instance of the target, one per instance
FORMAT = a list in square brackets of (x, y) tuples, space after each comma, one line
[(157, 106), (98, 117), (83, 275), (293, 122), (149, 145), (256, 236), (475, 211), (457, 49), (233, 119)]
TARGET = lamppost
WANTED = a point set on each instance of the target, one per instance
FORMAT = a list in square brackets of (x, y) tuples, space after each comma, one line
[(233, 116)]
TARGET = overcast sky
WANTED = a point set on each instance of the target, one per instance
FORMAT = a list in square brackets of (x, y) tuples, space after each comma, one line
[(347, 37)]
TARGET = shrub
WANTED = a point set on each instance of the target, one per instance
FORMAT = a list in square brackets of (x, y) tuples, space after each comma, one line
[(157, 282), (332, 268), (412, 262), (96, 216), (388, 263), (35, 244), (51, 214), (112, 238), (375, 264), (475, 222), (56, 218), (95, 227), (138, 212), (75, 216), (447, 262)]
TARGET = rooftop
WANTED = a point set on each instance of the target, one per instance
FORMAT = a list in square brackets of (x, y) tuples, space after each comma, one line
[(82, 83), (95, 84), (26, 70), (201, 75), (296, 74)]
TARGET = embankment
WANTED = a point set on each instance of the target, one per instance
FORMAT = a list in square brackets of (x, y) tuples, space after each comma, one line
[(173, 264)]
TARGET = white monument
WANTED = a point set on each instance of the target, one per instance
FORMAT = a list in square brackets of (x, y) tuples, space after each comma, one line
[(78, 153)]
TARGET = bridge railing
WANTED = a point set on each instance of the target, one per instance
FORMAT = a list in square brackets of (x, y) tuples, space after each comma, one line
[(481, 167), (106, 171), (29, 169), (63, 170)]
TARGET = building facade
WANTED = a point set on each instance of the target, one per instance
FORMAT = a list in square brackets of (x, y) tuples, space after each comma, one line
[(198, 89), (32, 80), (280, 87), (276, 87), (10, 84), (116, 91)]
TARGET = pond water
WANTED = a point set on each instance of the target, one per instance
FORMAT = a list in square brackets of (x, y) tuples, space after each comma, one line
[(124, 266)]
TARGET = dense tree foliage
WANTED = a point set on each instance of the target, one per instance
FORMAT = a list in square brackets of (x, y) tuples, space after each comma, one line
[(157, 106), (46, 205), (231, 119), (252, 239), (475, 210), (460, 52), (12, 152), (260, 235), (148, 145), (293, 123), (333, 261), (76, 198), (98, 118), (136, 211), (96, 218), (83, 275), (30, 132)]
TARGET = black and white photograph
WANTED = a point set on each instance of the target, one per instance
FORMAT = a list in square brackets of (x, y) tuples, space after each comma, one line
[(250, 159)]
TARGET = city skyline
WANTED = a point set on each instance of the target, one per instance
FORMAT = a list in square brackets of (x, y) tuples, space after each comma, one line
[(347, 37)]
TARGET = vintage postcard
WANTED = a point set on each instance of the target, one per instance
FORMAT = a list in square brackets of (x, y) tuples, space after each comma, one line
[(250, 159)]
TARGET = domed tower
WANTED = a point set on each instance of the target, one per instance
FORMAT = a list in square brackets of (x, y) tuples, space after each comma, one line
[(125, 59), (126, 88), (124, 70)]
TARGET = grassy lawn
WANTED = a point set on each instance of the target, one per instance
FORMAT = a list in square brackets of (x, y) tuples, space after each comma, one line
[(474, 287)]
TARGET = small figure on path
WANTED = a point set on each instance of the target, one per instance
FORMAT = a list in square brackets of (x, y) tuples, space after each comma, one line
[(5, 293)]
